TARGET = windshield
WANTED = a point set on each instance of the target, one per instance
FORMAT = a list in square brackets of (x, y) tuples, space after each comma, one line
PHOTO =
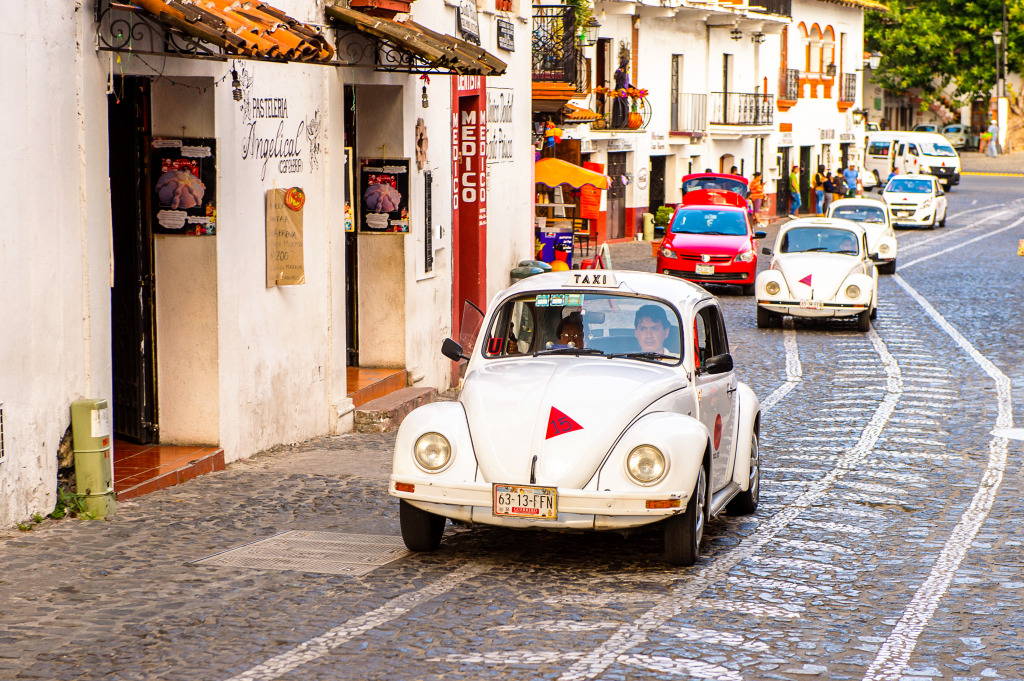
[(573, 323), (909, 186), (710, 221), (726, 183), (819, 239), (874, 214), (937, 149)]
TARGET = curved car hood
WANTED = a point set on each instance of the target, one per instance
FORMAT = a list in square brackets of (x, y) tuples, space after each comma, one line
[(897, 197), (509, 407), (827, 272), (712, 244)]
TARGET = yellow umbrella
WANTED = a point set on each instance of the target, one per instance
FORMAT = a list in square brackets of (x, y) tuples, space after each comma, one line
[(553, 172)]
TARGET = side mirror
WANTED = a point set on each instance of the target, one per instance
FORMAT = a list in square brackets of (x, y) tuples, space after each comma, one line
[(766, 250), (719, 364), (760, 235), (452, 350)]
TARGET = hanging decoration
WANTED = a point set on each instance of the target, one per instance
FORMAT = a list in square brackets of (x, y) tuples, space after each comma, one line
[(552, 135)]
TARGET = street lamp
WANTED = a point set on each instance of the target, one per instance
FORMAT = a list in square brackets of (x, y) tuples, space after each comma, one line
[(830, 70), (874, 60), (997, 38), (590, 32)]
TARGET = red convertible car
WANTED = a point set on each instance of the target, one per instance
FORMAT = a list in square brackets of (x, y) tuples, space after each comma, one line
[(711, 239)]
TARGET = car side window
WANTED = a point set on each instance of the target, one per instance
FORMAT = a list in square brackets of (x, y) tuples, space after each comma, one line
[(913, 149), (708, 335)]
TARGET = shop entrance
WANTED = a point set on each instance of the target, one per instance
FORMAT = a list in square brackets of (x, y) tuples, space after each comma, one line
[(131, 297), (782, 193), (616, 222), (656, 194)]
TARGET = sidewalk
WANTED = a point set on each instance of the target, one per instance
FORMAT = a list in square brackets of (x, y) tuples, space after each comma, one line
[(973, 162)]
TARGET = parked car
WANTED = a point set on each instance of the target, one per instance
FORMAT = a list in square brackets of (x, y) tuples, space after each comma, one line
[(820, 268), (711, 239), (699, 181), (873, 216), (925, 127), (592, 400), (867, 179), (915, 201), (960, 136), (871, 127)]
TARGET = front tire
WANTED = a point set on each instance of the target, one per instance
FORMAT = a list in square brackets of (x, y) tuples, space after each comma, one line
[(421, 530), (683, 532), (934, 221), (942, 222), (887, 268), (747, 289), (764, 318), (745, 503), (864, 321)]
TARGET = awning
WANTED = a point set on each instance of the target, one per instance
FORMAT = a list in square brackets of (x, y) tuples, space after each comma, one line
[(428, 51), (246, 28), (553, 172)]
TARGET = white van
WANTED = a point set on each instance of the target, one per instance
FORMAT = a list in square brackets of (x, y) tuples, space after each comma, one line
[(924, 153)]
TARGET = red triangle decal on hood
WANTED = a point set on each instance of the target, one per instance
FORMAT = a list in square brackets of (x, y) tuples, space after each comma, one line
[(560, 424), (806, 280)]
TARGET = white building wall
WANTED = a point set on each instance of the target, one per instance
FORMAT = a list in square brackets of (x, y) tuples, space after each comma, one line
[(54, 249)]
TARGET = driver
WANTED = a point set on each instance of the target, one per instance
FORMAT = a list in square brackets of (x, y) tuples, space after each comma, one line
[(570, 331), (848, 244), (651, 329)]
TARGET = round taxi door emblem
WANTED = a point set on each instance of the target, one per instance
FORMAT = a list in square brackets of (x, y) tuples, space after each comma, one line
[(718, 431)]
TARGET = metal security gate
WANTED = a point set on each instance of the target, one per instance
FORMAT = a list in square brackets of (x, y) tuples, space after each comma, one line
[(131, 298), (616, 195)]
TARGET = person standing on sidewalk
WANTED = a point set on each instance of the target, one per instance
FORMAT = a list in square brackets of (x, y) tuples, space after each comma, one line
[(852, 179), (794, 191), (993, 143), (819, 190), (756, 195)]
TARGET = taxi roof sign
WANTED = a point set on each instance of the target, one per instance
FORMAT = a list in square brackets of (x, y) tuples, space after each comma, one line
[(592, 279)]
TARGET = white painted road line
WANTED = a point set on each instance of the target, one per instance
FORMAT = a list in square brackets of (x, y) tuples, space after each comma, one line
[(960, 245), (794, 372), (317, 647), (894, 655)]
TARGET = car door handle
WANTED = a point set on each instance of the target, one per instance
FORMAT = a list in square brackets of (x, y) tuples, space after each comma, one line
[(731, 390)]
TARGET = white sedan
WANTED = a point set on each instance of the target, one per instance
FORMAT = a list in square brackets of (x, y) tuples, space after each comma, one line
[(873, 216), (915, 201), (592, 400), (820, 268)]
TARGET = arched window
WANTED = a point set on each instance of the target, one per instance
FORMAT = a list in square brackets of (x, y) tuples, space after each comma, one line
[(828, 48), (814, 48)]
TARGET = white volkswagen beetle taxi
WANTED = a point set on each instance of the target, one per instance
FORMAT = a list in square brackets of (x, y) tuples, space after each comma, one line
[(820, 268), (873, 216), (592, 400)]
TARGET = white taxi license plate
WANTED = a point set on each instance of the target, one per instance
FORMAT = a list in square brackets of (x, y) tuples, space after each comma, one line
[(810, 304), (904, 213), (526, 501), (705, 269)]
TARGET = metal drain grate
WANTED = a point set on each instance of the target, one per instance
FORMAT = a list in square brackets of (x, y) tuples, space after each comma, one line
[(332, 553)]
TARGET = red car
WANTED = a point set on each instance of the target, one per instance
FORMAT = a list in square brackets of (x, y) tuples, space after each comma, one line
[(711, 239)]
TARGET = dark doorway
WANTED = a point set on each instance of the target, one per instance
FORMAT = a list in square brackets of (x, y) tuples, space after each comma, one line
[(782, 193), (133, 332), (656, 193), (616, 224), (805, 180), (351, 252), (844, 155)]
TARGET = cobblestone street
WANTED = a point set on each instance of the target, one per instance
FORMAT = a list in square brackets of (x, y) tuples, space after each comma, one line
[(887, 544)]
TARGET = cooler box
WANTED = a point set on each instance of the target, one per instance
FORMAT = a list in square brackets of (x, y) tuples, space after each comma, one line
[(553, 244)]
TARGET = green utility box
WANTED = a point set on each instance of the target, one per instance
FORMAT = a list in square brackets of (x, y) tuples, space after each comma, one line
[(94, 458), (528, 268)]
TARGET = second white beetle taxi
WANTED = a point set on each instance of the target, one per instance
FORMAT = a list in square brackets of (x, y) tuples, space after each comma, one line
[(820, 268), (592, 400), (873, 216)]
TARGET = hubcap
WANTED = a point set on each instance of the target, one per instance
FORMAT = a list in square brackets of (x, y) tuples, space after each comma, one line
[(755, 469), (701, 493)]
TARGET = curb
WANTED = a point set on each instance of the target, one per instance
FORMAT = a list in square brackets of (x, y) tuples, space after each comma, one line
[(978, 172)]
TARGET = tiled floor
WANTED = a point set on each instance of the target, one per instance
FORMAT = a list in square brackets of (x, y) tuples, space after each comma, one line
[(140, 469)]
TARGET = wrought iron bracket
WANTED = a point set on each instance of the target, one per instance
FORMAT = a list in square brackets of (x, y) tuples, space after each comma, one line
[(354, 48)]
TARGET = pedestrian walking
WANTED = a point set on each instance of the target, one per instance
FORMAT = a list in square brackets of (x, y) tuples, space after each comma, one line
[(827, 188), (993, 143), (819, 190), (756, 194), (794, 191), (852, 179), (838, 185)]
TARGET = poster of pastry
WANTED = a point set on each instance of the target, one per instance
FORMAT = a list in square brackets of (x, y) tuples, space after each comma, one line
[(384, 195), (184, 176)]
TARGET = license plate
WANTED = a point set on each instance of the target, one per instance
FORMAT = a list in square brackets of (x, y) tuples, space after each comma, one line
[(904, 213), (705, 269), (526, 501), (810, 304)]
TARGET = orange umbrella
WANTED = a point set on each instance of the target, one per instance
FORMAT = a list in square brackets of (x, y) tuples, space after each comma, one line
[(553, 172)]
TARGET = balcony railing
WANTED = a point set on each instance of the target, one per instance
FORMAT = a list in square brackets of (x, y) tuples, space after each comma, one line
[(791, 85), (780, 7), (556, 57), (690, 113), (848, 89), (741, 108)]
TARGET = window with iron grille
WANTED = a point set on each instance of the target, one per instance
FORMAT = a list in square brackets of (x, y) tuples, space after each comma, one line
[(849, 90), (792, 84)]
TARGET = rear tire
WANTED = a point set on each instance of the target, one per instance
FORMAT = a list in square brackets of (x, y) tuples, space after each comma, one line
[(421, 530), (683, 532), (745, 503), (764, 318), (864, 321)]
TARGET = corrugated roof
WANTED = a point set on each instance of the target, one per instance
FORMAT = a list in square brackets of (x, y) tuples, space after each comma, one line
[(863, 4), (245, 27)]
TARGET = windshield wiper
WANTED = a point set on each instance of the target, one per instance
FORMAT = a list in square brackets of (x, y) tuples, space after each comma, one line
[(642, 355), (812, 250), (569, 351)]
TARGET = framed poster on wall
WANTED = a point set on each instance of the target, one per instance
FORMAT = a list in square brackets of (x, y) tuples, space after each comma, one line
[(350, 207), (384, 195), (184, 176)]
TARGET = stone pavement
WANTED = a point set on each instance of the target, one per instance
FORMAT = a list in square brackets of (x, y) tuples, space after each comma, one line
[(973, 162)]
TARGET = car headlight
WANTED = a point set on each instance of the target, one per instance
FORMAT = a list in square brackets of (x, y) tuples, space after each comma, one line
[(668, 252), (772, 288), (432, 451), (853, 291), (883, 249), (745, 256), (646, 464), (927, 204)]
